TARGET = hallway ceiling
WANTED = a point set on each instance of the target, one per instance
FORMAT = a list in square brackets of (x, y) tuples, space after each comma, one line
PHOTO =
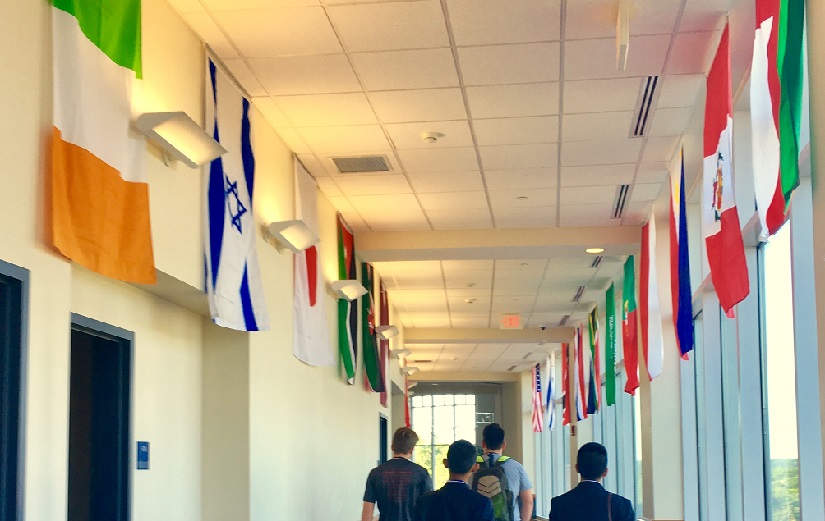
[(536, 122)]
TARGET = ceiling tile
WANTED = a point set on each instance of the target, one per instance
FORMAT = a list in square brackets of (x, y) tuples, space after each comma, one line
[(604, 152), (454, 182), (597, 18), (342, 204), (463, 218), (469, 278), (328, 187), (660, 148), (228, 5), (244, 76), (670, 121), (588, 215), (588, 195), (477, 22), (601, 95), (409, 135), (439, 160), (382, 205), (373, 184), (326, 109), (522, 198), (508, 64), (313, 165), (703, 15), (525, 217), (418, 105), (463, 265), (186, 6), (522, 265), (528, 178), (692, 52), (205, 27), (512, 101), (325, 74), (680, 90), (597, 174), (519, 156), (603, 125), (596, 59), (344, 140), (652, 173), (645, 192), (293, 140), (517, 131), (278, 32), (420, 69), (390, 26), (271, 112), (452, 200), (407, 224)]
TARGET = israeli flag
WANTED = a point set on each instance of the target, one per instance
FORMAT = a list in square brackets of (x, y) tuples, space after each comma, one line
[(233, 278)]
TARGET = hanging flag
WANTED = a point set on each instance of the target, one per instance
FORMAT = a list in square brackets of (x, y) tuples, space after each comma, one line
[(630, 338), (581, 382), (550, 404), (610, 347), (680, 263), (407, 421), (369, 344), (99, 189), (720, 226), (565, 383), (347, 313), (650, 310), (311, 343), (594, 395), (538, 403), (233, 278), (778, 107), (384, 345)]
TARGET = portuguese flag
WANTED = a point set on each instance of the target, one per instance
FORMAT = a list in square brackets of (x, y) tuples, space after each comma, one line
[(630, 329)]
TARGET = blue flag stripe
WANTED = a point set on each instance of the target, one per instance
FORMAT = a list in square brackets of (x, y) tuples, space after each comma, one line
[(684, 318), (216, 196), (246, 302), (246, 149)]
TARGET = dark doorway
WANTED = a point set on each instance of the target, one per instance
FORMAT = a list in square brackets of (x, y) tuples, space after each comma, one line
[(13, 316), (99, 422), (383, 425)]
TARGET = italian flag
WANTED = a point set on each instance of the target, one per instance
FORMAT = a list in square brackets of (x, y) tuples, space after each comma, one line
[(99, 192), (630, 328), (779, 107)]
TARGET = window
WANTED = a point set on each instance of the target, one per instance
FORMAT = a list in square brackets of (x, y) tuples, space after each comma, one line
[(440, 420), (779, 378)]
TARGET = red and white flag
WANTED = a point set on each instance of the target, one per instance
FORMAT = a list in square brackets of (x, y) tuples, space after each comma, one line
[(720, 221), (311, 343), (650, 310), (538, 402)]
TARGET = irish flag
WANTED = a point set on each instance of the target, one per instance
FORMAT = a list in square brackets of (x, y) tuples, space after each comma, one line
[(99, 192), (651, 311), (779, 108), (720, 221), (630, 331)]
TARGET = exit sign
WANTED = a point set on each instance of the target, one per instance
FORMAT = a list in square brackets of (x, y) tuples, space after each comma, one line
[(511, 321)]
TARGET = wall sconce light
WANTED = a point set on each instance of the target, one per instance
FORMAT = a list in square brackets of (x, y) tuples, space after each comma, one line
[(348, 289), (400, 353), (293, 235), (409, 370), (179, 137), (386, 332)]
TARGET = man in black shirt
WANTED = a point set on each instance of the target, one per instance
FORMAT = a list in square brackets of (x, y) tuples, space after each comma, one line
[(455, 501), (397, 484)]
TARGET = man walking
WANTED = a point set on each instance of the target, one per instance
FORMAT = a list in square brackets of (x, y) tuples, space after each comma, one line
[(397, 484), (589, 501), (493, 444), (455, 501)]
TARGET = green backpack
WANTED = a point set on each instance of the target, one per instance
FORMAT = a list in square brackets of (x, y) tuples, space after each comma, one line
[(492, 483)]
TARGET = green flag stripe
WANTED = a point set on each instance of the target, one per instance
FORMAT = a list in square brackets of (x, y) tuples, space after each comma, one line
[(112, 25), (790, 55), (610, 347)]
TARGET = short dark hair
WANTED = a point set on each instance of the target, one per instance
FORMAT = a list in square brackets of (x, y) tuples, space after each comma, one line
[(592, 460), (461, 456), (404, 440), (493, 436)]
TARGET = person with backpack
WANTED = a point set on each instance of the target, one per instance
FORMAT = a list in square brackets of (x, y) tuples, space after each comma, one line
[(455, 501), (397, 484), (589, 501), (503, 479)]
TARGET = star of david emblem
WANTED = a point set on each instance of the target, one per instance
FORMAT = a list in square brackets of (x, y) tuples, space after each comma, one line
[(234, 205)]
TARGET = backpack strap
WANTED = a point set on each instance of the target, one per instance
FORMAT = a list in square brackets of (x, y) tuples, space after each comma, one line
[(609, 506)]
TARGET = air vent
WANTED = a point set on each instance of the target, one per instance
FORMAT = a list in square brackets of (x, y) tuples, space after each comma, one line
[(511, 368), (564, 320), (422, 361), (579, 293), (647, 93), (361, 164), (525, 357), (621, 200), (596, 262)]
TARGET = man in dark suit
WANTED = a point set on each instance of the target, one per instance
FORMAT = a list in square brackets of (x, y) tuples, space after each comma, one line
[(589, 501), (455, 501)]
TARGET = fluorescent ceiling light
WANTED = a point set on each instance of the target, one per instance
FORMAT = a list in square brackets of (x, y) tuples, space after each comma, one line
[(294, 235), (400, 353), (180, 137), (594, 250), (348, 289), (409, 370), (386, 332)]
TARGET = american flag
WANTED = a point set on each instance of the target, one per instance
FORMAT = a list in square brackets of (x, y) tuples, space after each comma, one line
[(538, 403)]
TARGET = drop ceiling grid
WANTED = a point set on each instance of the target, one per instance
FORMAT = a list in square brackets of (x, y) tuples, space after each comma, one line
[(459, 49)]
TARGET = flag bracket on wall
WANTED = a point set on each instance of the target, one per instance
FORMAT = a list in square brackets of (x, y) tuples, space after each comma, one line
[(179, 137)]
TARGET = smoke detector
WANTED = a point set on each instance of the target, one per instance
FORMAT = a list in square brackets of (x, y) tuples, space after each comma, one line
[(431, 137)]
